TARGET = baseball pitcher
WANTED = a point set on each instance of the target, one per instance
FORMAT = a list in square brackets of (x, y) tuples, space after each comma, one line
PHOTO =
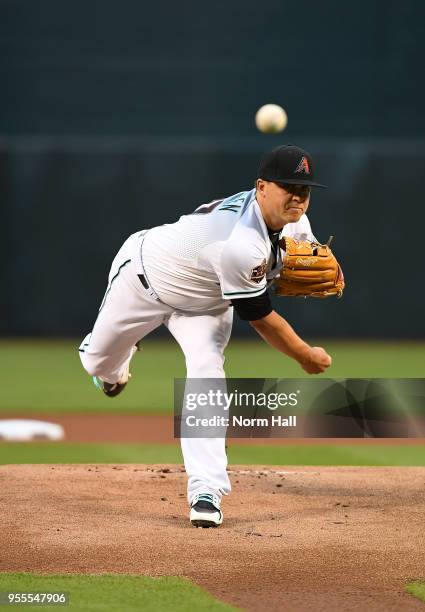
[(193, 274)]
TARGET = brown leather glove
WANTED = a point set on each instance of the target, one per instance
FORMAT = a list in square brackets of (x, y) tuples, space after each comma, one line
[(310, 269)]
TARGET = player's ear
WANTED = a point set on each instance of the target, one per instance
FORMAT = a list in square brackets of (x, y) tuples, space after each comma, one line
[(260, 184)]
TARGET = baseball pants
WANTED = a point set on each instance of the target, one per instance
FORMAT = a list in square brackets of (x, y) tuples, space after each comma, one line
[(128, 313)]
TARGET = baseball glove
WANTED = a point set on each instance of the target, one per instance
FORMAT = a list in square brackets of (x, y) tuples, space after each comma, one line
[(310, 269)]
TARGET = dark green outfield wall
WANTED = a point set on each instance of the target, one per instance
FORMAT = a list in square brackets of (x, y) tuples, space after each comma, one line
[(202, 68), (67, 213), (118, 116)]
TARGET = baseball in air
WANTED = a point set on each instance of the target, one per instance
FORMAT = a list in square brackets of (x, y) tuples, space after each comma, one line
[(271, 119)]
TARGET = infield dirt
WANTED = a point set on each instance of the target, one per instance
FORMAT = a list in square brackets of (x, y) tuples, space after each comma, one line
[(293, 539), (152, 428)]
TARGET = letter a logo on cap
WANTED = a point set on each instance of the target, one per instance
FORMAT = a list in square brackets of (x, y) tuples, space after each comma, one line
[(303, 166)]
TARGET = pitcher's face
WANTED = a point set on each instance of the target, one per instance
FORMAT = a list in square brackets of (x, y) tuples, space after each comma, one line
[(282, 204)]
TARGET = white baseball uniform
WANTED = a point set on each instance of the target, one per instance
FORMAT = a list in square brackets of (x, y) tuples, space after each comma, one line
[(184, 275)]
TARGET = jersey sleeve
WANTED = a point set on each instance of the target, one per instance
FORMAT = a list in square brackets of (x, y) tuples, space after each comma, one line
[(253, 308), (243, 270)]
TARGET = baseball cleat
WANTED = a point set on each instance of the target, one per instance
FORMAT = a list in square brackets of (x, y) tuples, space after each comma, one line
[(113, 389), (205, 511), (110, 389)]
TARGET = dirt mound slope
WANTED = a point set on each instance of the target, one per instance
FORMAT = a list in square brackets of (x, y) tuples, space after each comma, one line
[(295, 539)]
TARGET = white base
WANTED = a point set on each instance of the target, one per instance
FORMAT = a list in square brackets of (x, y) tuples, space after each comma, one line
[(23, 430)]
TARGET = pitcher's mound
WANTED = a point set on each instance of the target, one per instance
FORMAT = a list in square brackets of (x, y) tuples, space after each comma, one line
[(294, 538)]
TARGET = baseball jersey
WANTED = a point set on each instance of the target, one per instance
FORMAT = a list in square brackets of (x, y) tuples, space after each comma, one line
[(222, 251)]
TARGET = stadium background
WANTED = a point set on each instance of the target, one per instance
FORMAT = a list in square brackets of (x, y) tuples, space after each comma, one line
[(115, 118)]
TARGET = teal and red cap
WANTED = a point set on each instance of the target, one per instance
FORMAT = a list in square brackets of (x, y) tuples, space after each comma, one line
[(288, 164)]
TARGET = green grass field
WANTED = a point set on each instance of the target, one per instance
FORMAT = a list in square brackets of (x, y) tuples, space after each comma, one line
[(41, 376), (417, 589), (47, 377), (114, 593), (318, 454)]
